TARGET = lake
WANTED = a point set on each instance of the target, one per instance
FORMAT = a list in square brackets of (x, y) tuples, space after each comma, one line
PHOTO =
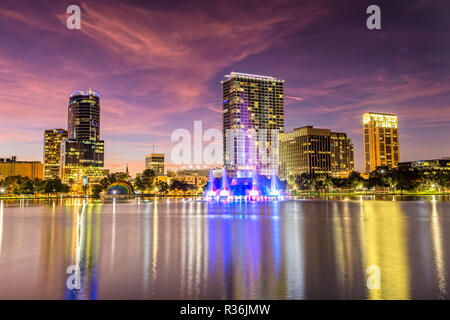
[(190, 249)]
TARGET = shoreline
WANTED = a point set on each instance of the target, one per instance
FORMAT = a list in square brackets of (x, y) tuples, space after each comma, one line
[(307, 194)]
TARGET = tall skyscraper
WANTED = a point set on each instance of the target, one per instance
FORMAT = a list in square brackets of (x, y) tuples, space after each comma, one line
[(381, 145), (155, 162), (52, 152), (83, 152), (253, 114), (342, 162)]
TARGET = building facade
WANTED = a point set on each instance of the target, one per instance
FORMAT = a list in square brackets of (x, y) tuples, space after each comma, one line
[(52, 152), (342, 155), (381, 143), (82, 154), (155, 162), (12, 167), (432, 165), (315, 151), (253, 115), (305, 150)]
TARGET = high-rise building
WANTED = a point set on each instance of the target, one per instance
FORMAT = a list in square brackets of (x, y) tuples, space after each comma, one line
[(253, 114), (155, 162), (12, 167), (315, 151), (381, 145), (305, 150), (84, 116), (342, 162), (52, 152), (82, 154)]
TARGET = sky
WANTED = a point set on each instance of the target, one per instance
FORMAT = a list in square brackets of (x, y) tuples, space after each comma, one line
[(158, 67)]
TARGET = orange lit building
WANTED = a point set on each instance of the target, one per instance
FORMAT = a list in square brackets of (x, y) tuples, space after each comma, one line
[(52, 152), (381, 145), (11, 167)]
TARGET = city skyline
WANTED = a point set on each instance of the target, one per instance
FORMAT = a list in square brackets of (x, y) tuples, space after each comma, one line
[(164, 75)]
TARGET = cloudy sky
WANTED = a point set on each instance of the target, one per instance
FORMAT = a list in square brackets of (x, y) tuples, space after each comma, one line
[(158, 65)]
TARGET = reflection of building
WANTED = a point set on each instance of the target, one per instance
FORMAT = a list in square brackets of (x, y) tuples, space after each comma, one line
[(82, 154), (305, 150), (12, 167), (52, 152), (342, 162), (253, 109), (381, 145), (155, 162), (436, 164)]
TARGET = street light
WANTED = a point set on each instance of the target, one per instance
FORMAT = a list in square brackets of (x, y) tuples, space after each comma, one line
[(2, 190)]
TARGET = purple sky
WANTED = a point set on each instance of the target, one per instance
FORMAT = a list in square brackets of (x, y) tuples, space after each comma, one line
[(158, 67)]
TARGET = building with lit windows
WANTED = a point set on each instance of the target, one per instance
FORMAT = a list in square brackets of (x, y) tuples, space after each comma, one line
[(305, 150), (52, 152), (342, 158), (155, 162), (82, 154), (315, 151), (381, 144), (11, 167), (431, 165), (253, 115)]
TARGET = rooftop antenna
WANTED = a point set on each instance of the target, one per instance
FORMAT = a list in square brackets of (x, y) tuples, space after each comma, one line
[(153, 148)]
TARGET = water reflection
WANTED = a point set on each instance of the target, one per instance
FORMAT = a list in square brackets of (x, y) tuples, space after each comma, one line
[(438, 251), (188, 249)]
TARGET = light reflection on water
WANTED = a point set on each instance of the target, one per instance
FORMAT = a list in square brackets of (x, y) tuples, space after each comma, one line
[(188, 249)]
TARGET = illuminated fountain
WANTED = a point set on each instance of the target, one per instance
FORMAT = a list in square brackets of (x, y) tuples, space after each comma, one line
[(245, 186), (244, 150)]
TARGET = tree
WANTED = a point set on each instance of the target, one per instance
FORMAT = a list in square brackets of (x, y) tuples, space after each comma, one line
[(147, 177), (162, 187), (55, 186), (96, 190), (139, 184), (406, 178), (179, 185)]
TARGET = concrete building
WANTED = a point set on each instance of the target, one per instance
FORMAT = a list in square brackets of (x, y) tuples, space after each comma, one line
[(253, 115), (155, 162), (52, 152), (435, 164), (305, 150), (342, 155), (315, 151), (381, 143), (12, 167), (82, 154)]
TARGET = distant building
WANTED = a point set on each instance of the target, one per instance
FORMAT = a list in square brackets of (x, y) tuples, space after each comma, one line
[(193, 180), (190, 172), (342, 157), (253, 108), (52, 152), (155, 162), (82, 154), (305, 150), (11, 167), (435, 164), (381, 145), (315, 151)]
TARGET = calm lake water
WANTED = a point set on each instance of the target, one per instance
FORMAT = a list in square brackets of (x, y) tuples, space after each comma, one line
[(189, 249)]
